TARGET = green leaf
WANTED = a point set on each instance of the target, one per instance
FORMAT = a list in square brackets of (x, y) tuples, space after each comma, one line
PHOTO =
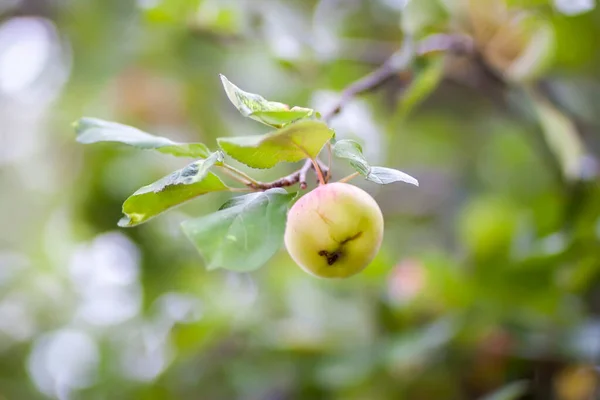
[(512, 391), (245, 233), (422, 86), (293, 143), (383, 176), (279, 119), (416, 346), (562, 137), (218, 18), (172, 11), (352, 151), (420, 15), (172, 190), (270, 113), (93, 130)]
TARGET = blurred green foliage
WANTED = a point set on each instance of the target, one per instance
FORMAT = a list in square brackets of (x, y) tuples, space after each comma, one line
[(488, 282)]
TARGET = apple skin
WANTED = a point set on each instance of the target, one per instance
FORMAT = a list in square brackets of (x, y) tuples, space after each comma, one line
[(334, 231)]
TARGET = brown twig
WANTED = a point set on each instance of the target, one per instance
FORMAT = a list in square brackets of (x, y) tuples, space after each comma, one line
[(302, 173), (298, 176)]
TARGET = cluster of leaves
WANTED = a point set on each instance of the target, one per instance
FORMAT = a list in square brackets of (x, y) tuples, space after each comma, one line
[(225, 238)]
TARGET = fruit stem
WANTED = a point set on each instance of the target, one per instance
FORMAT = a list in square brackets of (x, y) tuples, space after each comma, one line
[(349, 177), (329, 156), (318, 170)]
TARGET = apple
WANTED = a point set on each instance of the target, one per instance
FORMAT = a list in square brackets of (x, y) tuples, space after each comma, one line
[(334, 231)]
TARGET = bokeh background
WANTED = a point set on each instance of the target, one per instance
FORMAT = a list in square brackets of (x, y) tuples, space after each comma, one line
[(488, 282)]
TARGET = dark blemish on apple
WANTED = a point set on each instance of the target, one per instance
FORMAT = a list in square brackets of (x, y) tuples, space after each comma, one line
[(334, 256), (331, 257)]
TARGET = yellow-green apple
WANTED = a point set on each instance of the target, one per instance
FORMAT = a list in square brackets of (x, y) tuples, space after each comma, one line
[(334, 231)]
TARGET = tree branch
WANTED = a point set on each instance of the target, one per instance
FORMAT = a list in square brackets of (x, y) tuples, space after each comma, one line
[(454, 43), (399, 61), (298, 176), (302, 173)]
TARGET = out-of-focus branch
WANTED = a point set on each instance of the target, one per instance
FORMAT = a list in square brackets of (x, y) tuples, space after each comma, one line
[(455, 44), (399, 61)]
